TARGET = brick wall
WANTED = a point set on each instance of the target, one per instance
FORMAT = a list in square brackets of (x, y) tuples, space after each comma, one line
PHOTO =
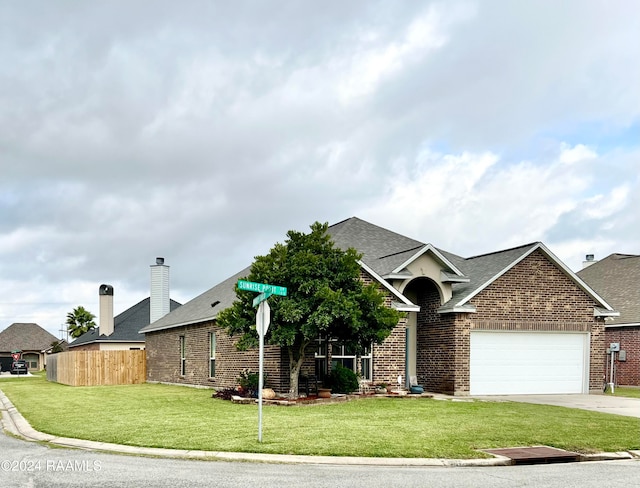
[(163, 358), (436, 341), (627, 373), (535, 295), (388, 358)]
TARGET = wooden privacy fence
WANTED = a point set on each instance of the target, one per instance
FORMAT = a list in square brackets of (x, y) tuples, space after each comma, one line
[(92, 368)]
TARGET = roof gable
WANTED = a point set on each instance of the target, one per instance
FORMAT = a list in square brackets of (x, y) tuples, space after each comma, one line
[(617, 279), (487, 268), (25, 336)]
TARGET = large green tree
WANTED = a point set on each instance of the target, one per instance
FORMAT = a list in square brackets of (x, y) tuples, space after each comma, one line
[(326, 299), (79, 321)]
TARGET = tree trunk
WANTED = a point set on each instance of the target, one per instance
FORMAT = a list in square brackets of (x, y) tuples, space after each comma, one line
[(294, 370)]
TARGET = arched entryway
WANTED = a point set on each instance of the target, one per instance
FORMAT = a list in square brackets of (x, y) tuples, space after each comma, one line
[(430, 337)]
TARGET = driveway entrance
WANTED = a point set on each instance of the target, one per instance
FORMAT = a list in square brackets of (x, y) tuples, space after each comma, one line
[(629, 407)]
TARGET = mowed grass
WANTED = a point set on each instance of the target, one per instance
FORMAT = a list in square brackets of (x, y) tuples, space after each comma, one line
[(626, 391), (186, 418)]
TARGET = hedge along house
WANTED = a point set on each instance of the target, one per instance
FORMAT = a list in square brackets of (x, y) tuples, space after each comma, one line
[(513, 321)]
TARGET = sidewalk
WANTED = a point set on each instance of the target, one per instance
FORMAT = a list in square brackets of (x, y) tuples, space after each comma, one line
[(14, 423)]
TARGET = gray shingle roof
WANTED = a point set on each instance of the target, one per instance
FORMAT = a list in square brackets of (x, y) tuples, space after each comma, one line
[(26, 337), (617, 279), (382, 249), (126, 325), (201, 308), (384, 252)]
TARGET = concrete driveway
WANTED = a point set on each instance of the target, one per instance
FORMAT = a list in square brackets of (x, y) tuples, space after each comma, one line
[(629, 407)]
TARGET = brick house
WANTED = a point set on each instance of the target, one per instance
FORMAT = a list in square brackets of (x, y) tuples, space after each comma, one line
[(617, 279), (122, 331), (513, 321), (34, 342)]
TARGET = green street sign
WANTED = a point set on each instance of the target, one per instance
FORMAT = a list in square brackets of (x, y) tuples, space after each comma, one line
[(261, 298), (262, 287)]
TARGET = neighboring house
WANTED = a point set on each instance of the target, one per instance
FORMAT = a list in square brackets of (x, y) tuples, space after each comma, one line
[(29, 338), (617, 279), (122, 332), (512, 321), (125, 333)]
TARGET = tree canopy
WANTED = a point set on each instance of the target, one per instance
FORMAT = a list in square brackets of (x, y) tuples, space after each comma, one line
[(79, 321), (325, 299)]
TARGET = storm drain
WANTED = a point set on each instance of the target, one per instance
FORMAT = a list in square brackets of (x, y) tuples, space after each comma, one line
[(536, 455)]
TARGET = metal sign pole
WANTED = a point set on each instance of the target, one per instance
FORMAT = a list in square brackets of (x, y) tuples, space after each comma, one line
[(260, 326), (263, 319)]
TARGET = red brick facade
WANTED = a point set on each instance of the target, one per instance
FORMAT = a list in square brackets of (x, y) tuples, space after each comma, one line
[(534, 295), (627, 373), (537, 296), (164, 362)]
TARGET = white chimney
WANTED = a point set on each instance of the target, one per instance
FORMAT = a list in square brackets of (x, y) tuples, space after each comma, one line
[(589, 259), (106, 309), (159, 290)]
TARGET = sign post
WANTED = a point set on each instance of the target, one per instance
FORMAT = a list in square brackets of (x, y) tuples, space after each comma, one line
[(263, 319)]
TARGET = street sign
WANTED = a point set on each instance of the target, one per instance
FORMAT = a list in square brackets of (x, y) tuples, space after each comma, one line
[(262, 297), (263, 318), (262, 287)]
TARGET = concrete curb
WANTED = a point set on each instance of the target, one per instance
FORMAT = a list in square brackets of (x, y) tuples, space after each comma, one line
[(16, 424)]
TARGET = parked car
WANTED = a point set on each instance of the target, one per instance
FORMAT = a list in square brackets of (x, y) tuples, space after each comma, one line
[(19, 367)]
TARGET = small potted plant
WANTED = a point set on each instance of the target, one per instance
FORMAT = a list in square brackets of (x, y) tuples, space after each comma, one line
[(381, 389)]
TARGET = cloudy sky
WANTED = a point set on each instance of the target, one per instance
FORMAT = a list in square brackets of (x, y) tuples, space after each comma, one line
[(202, 131)]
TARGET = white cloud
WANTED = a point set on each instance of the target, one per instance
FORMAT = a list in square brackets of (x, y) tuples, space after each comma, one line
[(203, 132), (576, 154)]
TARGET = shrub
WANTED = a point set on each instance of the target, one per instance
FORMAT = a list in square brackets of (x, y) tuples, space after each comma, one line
[(343, 380), (248, 381), (225, 394)]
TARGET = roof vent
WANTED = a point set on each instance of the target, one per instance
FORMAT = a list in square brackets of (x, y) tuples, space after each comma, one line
[(589, 259)]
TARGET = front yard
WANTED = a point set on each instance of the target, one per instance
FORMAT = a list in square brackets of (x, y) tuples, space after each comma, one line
[(626, 391), (188, 418)]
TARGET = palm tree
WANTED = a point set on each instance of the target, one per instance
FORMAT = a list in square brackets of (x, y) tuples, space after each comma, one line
[(80, 321)]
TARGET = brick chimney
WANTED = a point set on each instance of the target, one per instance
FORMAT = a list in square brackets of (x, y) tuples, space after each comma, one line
[(159, 290), (106, 309)]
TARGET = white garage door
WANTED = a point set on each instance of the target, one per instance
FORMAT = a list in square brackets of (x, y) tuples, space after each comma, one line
[(512, 363)]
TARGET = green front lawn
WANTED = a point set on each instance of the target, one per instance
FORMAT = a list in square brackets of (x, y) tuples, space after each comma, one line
[(625, 391), (188, 418)]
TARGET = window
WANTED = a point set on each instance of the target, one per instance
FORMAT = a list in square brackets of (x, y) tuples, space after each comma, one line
[(183, 357), (321, 359), (212, 354), (32, 360), (344, 356), (365, 364)]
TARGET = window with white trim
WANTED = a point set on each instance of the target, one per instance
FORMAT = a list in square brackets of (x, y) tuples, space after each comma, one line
[(212, 354), (344, 356), (183, 357)]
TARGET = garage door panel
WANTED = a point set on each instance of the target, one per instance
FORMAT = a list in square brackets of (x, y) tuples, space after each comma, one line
[(526, 363)]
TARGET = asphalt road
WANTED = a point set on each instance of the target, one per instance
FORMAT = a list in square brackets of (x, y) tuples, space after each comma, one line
[(28, 464)]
